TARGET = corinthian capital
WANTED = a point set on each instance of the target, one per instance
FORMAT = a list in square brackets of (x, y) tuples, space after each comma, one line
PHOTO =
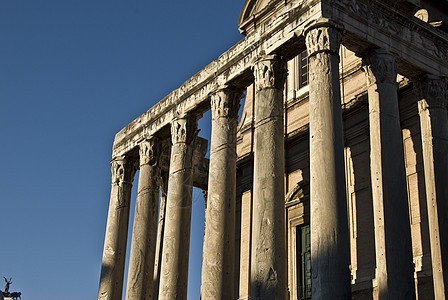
[(380, 67), (226, 102), (270, 72), (322, 38), (149, 151), (184, 129), (123, 169), (432, 89)]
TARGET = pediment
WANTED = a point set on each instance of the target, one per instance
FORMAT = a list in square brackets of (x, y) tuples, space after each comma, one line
[(252, 10)]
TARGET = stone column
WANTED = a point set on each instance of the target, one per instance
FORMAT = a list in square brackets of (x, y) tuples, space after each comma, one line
[(432, 94), (114, 254), (330, 250), (141, 259), (160, 234), (394, 267), (219, 240), (176, 240), (268, 266)]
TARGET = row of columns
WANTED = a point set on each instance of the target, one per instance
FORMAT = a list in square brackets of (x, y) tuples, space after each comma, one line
[(329, 226), (329, 234)]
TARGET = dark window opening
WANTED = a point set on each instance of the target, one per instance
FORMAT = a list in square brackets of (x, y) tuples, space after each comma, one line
[(303, 69)]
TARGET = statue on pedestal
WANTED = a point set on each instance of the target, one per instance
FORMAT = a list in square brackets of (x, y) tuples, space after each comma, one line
[(6, 293)]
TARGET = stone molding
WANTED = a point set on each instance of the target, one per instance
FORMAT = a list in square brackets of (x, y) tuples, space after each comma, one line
[(270, 72), (123, 170), (323, 37), (297, 193), (226, 102), (380, 67), (184, 129), (432, 92), (149, 151)]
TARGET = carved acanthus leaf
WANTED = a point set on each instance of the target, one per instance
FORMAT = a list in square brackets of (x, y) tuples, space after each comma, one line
[(226, 102), (149, 152), (323, 39), (270, 72), (123, 169), (433, 90), (184, 129), (381, 67)]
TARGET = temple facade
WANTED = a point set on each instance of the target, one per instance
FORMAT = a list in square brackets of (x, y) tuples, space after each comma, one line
[(331, 185)]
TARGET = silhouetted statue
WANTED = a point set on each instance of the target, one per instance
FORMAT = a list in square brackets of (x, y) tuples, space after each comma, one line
[(8, 283)]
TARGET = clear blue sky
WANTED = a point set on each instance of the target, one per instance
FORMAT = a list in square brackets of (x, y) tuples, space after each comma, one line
[(72, 74)]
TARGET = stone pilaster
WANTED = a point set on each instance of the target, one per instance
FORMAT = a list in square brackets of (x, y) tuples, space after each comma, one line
[(328, 204), (433, 98), (219, 240), (394, 267), (268, 257), (114, 254), (141, 259), (176, 240)]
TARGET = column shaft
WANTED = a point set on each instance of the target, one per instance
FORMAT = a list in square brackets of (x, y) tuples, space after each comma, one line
[(268, 266), (432, 94), (141, 259), (394, 267), (176, 240), (159, 243), (114, 254), (219, 240), (328, 204)]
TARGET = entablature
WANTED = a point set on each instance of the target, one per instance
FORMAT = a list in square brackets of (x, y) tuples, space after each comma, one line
[(419, 47)]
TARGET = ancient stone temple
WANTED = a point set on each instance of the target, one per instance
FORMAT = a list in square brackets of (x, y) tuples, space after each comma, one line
[(332, 185)]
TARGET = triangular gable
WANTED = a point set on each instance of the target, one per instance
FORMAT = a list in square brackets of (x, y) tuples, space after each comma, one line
[(252, 9)]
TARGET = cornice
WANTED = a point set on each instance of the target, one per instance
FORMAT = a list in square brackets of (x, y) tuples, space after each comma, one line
[(419, 48)]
